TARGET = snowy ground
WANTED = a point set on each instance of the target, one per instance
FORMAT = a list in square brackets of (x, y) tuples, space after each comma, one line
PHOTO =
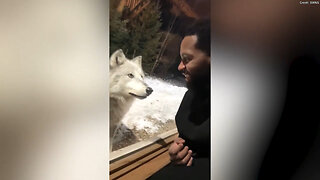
[(151, 116)]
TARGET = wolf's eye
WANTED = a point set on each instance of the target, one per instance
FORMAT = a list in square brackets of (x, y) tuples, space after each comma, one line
[(130, 75)]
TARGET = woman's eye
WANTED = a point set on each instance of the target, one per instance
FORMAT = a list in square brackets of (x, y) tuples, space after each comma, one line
[(130, 75)]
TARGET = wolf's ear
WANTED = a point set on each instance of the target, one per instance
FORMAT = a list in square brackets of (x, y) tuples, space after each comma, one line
[(137, 60), (117, 58)]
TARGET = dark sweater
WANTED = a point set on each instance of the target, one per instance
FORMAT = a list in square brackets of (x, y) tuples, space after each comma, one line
[(193, 121), (193, 124)]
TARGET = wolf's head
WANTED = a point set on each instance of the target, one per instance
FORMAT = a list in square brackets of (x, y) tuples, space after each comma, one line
[(127, 77)]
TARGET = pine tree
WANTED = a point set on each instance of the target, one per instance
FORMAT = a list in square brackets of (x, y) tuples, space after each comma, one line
[(145, 36), (137, 36), (119, 34)]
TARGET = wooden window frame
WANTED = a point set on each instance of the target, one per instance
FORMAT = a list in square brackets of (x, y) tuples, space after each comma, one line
[(141, 160)]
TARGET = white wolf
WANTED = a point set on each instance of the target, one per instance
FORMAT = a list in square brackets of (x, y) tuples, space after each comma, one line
[(126, 83)]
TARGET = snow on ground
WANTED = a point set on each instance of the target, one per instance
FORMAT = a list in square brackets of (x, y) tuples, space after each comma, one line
[(152, 115)]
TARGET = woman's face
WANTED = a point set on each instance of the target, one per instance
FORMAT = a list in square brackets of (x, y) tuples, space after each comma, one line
[(194, 62)]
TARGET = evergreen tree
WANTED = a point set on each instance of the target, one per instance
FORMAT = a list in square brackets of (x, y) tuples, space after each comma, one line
[(119, 34), (145, 35), (136, 36)]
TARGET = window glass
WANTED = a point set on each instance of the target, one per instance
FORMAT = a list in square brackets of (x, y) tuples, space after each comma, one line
[(150, 29)]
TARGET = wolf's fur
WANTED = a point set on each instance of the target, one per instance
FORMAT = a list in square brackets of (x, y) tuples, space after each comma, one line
[(126, 83)]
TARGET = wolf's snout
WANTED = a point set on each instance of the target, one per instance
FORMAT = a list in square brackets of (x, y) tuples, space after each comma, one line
[(149, 90)]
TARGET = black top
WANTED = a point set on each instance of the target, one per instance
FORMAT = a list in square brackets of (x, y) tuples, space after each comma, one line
[(193, 121), (193, 124)]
